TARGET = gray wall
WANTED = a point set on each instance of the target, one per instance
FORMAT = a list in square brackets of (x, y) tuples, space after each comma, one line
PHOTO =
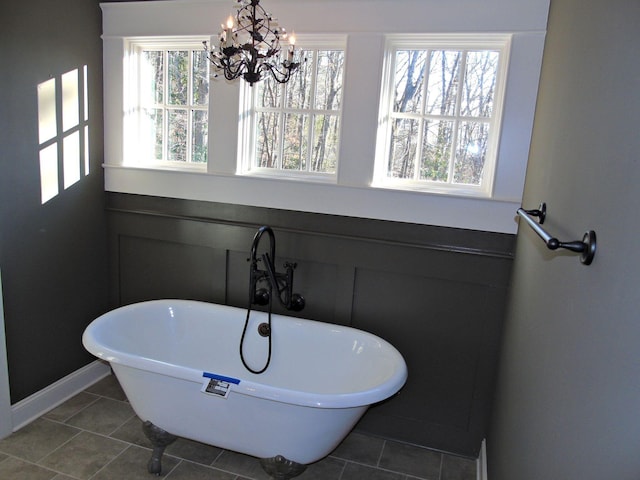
[(569, 386), (53, 256), (437, 294)]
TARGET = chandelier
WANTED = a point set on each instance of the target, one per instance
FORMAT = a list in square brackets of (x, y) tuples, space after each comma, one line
[(250, 46)]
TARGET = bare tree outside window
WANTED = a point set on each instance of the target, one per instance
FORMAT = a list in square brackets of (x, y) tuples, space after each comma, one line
[(442, 105), (297, 125)]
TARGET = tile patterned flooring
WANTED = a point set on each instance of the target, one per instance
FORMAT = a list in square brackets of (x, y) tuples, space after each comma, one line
[(97, 436)]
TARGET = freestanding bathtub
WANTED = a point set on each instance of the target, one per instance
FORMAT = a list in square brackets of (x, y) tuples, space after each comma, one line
[(178, 362)]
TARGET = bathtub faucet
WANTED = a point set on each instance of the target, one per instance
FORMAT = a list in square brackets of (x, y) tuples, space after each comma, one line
[(281, 283)]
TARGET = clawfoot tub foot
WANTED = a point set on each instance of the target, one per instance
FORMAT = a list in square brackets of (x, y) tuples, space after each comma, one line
[(280, 468), (160, 440)]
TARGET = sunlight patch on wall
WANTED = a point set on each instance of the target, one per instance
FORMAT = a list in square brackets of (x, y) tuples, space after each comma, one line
[(63, 137), (47, 110), (71, 156), (47, 130), (70, 100), (86, 150), (49, 172)]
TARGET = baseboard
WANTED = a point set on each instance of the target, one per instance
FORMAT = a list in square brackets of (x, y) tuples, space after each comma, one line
[(36, 405), (482, 462)]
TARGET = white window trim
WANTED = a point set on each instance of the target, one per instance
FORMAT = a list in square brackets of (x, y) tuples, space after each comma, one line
[(352, 194), (497, 42)]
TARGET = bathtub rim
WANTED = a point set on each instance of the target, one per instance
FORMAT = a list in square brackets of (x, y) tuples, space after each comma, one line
[(387, 389)]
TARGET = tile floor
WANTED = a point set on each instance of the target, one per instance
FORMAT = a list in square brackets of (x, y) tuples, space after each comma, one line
[(96, 436)]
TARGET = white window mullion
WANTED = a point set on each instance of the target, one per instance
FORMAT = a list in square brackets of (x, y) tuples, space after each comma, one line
[(281, 121)]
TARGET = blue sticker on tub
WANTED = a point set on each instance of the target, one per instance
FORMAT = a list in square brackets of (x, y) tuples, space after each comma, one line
[(215, 376)]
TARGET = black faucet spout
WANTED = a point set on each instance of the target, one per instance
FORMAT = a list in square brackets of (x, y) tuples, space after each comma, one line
[(256, 242)]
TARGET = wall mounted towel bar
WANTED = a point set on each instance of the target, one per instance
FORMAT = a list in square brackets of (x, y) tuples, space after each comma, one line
[(586, 247)]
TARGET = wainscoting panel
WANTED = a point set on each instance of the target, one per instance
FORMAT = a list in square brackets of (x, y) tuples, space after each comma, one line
[(442, 327), (152, 269), (437, 294)]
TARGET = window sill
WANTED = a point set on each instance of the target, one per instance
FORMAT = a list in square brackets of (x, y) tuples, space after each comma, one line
[(169, 166), (492, 215), (434, 188), (293, 176)]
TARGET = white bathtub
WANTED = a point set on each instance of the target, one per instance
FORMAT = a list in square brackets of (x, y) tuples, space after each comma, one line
[(321, 379)]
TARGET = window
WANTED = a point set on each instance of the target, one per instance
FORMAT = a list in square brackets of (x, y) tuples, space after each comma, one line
[(442, 105), (294, 128), (360, 185), (169, 102)]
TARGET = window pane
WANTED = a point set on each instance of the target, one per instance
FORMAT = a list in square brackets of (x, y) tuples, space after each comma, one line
[(470, 152), (404, 137), (444, 71), (329, 79), (325, 149), (200, 78), (299, 87), (199, 133), (408, 79), (295, 142), (151, 132), (269, 93), (479, 83), (178, 76), (267, 140), (436, 150), (151, 76), (177, 136)]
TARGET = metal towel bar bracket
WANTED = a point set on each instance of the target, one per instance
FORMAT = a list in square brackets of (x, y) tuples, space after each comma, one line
[(586, 247)]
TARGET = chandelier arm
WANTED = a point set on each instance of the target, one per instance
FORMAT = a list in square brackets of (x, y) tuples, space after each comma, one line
[(232, 70), (280, 76)]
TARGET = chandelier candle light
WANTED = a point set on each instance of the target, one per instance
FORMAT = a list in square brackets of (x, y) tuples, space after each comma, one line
[(250, 46)]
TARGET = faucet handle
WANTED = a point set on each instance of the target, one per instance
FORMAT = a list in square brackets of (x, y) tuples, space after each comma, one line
[(261, 296), (297, 302)]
